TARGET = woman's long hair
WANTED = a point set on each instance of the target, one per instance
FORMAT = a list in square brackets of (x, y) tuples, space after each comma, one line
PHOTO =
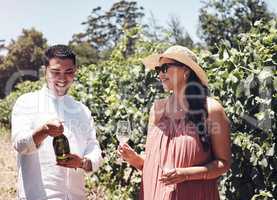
[(196, 95)]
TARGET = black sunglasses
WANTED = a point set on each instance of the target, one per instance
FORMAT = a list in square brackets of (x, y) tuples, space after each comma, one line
[(164, 67)]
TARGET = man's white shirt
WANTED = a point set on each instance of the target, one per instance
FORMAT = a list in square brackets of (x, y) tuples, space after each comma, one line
[(38, 175)]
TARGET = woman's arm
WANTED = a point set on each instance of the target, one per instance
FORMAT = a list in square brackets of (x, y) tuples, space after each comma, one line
[(220, 140)]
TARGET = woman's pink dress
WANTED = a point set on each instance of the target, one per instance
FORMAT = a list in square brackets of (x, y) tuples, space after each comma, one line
[(173, 143)]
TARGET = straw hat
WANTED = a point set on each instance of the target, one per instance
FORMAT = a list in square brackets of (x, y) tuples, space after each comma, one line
[(180, 54)]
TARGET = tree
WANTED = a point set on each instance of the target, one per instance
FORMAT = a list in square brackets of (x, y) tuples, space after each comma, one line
[(2, 47), (153, 30), (23, 60), (104, 29), (226, 19), (178, 35), (86, 54), (173, 33)]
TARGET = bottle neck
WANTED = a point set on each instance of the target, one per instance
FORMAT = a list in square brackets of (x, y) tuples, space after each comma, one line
[(60, 136)]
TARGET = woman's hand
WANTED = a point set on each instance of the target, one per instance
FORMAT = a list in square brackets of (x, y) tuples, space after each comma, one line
[(174, 176), (128, 154)]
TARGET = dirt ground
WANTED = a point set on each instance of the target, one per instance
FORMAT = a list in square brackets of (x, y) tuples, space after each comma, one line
[(7, 169)]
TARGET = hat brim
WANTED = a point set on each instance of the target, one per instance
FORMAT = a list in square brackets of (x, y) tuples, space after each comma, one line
[(153, 61)]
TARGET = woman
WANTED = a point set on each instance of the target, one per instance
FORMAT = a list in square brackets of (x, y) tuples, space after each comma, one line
[(188, 143)]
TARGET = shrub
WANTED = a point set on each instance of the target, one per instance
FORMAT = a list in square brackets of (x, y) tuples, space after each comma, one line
[(245, 80)]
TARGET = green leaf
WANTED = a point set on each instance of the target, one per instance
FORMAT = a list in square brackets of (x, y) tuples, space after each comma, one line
[(232, 78), (263, 162), (270, 151), (265, 73)]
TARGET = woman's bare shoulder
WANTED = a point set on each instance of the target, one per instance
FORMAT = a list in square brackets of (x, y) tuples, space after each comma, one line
[(214, 105), (216, 111)]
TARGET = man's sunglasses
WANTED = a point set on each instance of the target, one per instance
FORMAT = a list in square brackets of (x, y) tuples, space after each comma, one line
[(164, 67)]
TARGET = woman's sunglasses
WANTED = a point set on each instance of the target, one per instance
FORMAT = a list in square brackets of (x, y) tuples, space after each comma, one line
[(164, 67)]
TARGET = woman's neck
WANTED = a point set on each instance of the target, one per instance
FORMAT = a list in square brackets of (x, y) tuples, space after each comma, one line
[(179, 101)]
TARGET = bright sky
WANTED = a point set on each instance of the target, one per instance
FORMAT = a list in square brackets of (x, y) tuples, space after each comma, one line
[(58, 20)]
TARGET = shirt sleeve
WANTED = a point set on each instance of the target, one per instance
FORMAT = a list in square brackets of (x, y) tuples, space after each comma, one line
[(93, 151), (22, 130)]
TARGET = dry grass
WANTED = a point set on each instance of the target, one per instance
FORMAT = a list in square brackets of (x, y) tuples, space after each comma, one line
[(7, 169)]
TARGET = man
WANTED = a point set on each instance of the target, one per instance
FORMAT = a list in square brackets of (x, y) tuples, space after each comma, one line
[(39, 116)]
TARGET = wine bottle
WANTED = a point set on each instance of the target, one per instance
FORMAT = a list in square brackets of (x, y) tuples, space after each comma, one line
[(61, 147)]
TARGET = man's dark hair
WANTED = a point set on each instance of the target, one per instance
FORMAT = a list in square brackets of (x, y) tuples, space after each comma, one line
[(58, 51)]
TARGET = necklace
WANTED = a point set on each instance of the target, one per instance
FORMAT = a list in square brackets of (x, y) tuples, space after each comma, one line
[(176, 106)]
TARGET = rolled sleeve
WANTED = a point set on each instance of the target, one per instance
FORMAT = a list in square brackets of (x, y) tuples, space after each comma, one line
[(95, 157), (22, 130), (93, 151), (25, 145)]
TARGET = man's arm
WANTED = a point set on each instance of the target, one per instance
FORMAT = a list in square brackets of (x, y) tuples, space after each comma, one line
[(25, 138), (51, 128), (92, 157), (22, 127)]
